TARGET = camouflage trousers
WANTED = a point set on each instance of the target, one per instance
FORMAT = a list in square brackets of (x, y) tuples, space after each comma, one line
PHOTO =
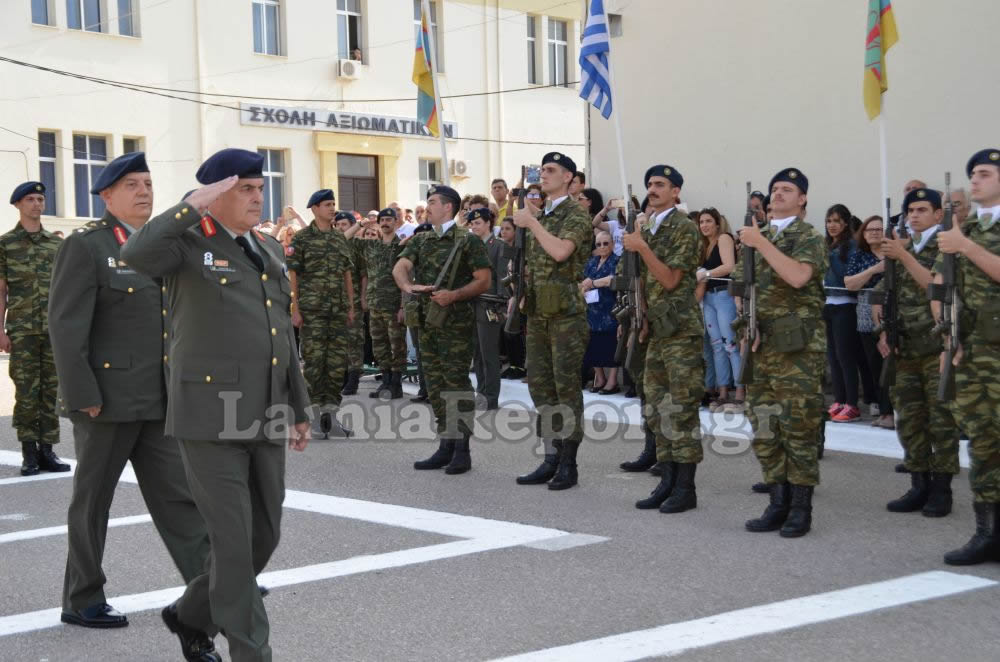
[(446, 355), (926, 427), (784, 404), (355, 338), (388, 340), (33, 371), (324, 351), (555, 349), (977, 410), (672, 380)]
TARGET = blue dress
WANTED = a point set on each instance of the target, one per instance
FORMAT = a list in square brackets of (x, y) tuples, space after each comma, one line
[(603, 326)]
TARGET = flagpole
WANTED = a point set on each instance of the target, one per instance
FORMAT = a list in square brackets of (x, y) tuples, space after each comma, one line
[(445, 170), (883, 157), (616, 112)]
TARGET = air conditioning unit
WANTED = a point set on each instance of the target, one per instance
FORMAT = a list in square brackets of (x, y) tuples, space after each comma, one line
[(348, 69), (459, 168)]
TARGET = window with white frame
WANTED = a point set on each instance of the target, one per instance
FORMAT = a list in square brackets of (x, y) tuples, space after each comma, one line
[(267, 27), (430, 175), (349, 29), (558, 52), (130, 145), (40, 12), (532, 44), (90, 155), (84, 15), (417, 5), (274, 184), (128, 18), (47, 169)]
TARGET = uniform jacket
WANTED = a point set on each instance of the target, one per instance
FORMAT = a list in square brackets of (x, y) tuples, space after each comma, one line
[(26, 264), (677, 244), (320, 260)]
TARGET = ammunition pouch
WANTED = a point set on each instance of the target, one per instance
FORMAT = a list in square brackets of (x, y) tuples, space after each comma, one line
[(411, 313), (788, 334), (556, 299), (664, 319), (987, 323), (918, 337)]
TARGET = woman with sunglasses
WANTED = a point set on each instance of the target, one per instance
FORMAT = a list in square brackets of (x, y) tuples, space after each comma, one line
[(596, 287)]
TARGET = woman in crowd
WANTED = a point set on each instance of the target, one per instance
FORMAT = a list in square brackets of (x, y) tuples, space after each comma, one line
[(535, 195), (592, 201), (596, 286), (864, 271), (507, 230), (285, 236)]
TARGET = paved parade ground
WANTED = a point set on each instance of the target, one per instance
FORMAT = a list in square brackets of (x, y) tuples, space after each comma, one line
[(380, 562)]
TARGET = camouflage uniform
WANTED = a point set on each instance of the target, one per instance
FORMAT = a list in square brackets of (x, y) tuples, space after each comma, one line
[(26, 265), (320, 259), (384, 301), (446, 352), (356, 334)]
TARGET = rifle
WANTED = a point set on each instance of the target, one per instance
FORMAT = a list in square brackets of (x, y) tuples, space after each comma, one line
[(516, 276), (747, 291), (628, 311), (890, 302), (947, 293)]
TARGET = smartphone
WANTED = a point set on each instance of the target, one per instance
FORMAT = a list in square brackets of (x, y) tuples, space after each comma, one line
[(533, 175), (618, 204)]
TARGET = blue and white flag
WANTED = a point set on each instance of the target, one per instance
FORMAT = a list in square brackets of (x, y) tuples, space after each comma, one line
[(595, 80)]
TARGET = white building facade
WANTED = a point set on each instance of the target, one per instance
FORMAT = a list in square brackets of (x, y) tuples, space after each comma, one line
[(322, 87)]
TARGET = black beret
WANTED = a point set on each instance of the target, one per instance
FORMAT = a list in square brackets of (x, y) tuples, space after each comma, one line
[(983, 157), (423, 227), (345, 216), (665, 171), (922, 195), (481, 212), (26, 188), (388, 212), (228, 162), (319, 196), (792, 176), (123, 165), (447, 192), (560, 159)]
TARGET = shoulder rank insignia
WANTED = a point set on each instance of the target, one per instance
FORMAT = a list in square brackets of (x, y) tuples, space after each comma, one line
[(208, 226), (120, 235), (207, 258)]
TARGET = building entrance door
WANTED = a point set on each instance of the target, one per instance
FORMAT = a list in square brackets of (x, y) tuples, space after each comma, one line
[(357, 180)]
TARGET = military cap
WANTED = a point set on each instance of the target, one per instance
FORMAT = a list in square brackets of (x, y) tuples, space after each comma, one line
[(481, 212), (345, 216), (319, 196), (989, 156), (446, 192), (388, 212), (26, 188), (665, 171), (792, 176), (922, 195), (423, 227), (228, 162), (123, 165), (560, 159)]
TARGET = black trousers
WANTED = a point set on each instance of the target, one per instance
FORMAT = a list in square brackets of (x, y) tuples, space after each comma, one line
[(844, 352), (873, 359)]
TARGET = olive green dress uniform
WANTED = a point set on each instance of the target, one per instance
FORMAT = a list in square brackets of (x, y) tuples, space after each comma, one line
[(384, 301), (235, 387), (108, 336), (26, 264)]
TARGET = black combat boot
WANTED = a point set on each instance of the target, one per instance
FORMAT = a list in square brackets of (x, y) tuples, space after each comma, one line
[(441, 457), (384, 385), (799, 519), (662, 490), (351, 384), (319, 426), (760, 488), (683, 497), (29, 457), (658, 468), (566, 476), (939, 501), (776, 512), (646, 459), (335, 428), (547, 469), (395, 385), (984, 544), (916, 497), (48, 461), (461, 460)]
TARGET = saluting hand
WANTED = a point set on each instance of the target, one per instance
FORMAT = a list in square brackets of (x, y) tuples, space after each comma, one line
[(201, 198), (299, 437)]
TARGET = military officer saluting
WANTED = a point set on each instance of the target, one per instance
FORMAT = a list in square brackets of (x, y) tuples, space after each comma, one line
[(447, 268), (235, 392), (26, 255), (791, 260), (320, 266), (108, 336), (384, 302), (557, 331), (670, 248)]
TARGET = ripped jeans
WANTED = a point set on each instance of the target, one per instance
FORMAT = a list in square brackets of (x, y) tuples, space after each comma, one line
[(720, 311)]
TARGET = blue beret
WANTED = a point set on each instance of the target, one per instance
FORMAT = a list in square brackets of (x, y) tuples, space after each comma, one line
[(665, 171), (922, 195), (123, 165), (482, 212), (560, 159), (388, 212), (26, 188), (228, 162), (319, 196), (792, 176), (983, 157), (447, 192), (345, 216)]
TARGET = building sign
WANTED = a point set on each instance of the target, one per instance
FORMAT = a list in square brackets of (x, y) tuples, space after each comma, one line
[(287, 117)]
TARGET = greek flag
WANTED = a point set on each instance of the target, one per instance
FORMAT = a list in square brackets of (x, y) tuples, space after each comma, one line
[(595, 81)]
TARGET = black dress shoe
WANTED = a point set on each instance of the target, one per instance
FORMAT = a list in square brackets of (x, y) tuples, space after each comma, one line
[(195, 644), (610, 391), (100, 616), (264, 591)]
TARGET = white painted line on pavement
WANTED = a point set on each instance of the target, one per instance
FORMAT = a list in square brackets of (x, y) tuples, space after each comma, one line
[(47, 531), (764, 619), (21, 480)]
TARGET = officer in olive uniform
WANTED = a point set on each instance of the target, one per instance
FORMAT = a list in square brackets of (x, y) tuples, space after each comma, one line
[(384, 302), (236, 392), (319, 267), (26, 255), (108, 337), (355, 334), (447, 268), (557, 331), (489, 324), (976, 245), (791, 260), (670, 249)]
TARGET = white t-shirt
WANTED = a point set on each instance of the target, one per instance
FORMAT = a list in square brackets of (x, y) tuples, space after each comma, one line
[(617, 231), (406, 230)]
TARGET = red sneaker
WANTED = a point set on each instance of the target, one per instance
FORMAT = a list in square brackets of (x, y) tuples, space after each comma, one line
[(848, 414), (834, 409)]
